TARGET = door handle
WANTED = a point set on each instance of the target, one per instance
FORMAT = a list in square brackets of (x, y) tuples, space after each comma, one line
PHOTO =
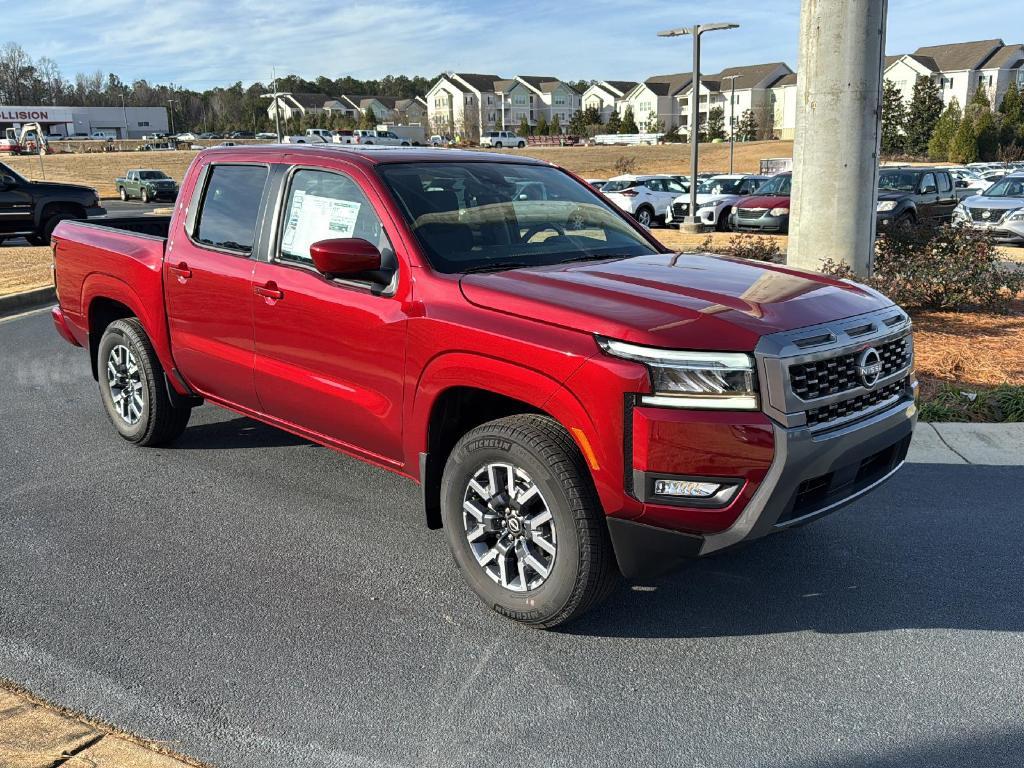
[(181, 270), (270, 291)]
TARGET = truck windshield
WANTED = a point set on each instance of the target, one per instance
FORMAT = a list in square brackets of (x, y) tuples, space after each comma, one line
[(1009, 187), (6, 170), (900, 181), (472, 216), (152, 175)]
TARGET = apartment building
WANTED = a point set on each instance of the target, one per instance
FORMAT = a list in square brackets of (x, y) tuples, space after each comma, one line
[(606, 95)]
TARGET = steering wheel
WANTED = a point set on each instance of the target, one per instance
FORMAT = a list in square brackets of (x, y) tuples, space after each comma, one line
[(537, 228)]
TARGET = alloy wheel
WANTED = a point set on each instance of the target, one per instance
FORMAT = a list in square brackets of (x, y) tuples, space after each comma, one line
[(125, 382), (509, 527)]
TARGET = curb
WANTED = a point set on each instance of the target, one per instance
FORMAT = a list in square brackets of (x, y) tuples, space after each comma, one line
[(950, 442), (26, 300)]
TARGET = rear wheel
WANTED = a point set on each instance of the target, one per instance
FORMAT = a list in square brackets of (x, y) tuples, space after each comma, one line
[(521, 144), (497, 145), (524, 523), (645, 216), (132, 387)]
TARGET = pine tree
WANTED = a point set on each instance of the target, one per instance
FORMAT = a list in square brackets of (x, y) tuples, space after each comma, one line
[(894, 118), (945, 129), (542, 125), (746, 128), (369, 120), (1012, 112), (577, 124), (715, 128), (923, 113), (555, 128), (629, 122), (980, 97), (524, 126), (614, 124), (964, 146), (987, 132)]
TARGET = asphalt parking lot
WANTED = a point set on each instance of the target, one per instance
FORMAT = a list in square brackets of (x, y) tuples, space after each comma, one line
[(252, 599)]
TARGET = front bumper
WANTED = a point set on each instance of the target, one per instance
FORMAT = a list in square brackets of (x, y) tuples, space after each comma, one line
[(1008, 232), (96, 210), (764, 223), (811, 475)]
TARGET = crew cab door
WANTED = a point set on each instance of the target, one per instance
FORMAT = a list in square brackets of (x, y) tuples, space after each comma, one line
[(330, 354), (15, 203), (927, 197), (208, 283), (947, 199)]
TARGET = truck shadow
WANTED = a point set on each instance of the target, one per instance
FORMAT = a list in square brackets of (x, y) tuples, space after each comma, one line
[(938, 547), (232, 432)]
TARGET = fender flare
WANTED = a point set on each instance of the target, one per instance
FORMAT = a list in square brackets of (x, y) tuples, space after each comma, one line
[(519, 382), (103, 286)]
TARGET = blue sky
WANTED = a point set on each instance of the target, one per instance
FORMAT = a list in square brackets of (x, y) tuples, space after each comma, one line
[(199, 44)]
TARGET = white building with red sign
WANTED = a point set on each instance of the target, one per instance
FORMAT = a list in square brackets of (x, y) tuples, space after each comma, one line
[(116, 122)]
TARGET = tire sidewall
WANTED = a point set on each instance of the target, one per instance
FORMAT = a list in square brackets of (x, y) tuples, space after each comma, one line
[(472, 453), (113, 336)]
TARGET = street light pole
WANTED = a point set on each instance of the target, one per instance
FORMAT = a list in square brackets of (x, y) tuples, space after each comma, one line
[(692, 222), (732, 118)]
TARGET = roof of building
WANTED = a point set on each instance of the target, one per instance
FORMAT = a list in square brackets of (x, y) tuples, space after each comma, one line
[(478, 82), (503, 86), (928, 62), (622, 86), (309, 100), (890, 60), (668, 85), (1006, 57), (542, 84), (956, 56), (789, 79), (749, 76)]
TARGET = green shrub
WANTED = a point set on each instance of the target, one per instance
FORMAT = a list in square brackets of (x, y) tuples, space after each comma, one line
[(754, 247), (925, 266), (1004, 403)]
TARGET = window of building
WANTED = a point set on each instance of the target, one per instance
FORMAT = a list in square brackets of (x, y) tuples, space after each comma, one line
[(559, 98), (231, 207), (519, 100), (143, 124), (323, 205)]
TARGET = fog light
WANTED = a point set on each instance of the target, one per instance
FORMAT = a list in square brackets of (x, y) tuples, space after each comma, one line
[(687, 488)]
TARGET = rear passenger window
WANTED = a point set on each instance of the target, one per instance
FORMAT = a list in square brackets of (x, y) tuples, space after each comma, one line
[(231, 207), (944, 185)]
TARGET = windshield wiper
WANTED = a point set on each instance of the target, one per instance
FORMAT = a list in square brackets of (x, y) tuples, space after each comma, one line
[(496, 266), (596, 257)]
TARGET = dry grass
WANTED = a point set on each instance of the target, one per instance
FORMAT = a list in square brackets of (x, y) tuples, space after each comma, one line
[(99, 169), (24, 269), (679, 241)]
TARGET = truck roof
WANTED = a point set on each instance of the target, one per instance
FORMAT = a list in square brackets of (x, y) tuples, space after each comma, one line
[(377, 155)]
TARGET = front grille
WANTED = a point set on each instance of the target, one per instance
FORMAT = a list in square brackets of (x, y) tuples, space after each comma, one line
[(821, 378), (679, 210), (854, 405), (994, 214), (750, 213)]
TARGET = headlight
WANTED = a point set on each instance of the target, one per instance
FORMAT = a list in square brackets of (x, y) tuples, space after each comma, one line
[(779, 212), (885, 205), (1017, 215), (681, 379)]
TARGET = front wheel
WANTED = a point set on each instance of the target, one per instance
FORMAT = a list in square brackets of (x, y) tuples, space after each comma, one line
[(132, 387), (145, 196), (524, 523)]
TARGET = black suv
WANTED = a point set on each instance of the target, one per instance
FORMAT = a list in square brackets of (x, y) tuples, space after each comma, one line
[(909, 195), (32, 209)]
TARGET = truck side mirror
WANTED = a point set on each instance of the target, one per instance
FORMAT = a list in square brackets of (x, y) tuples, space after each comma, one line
[(344, 257), (928, 189)]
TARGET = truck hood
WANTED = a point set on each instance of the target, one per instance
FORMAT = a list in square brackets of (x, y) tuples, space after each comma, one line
[(764, 201), (46, 187), (706, 199), (893, 194), (682, 301)]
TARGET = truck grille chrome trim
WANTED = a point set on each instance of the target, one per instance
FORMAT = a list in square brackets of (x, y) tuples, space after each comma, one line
[(864, 367)]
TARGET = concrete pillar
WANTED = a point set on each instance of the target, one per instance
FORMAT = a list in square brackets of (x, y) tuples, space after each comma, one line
[(835, 154)]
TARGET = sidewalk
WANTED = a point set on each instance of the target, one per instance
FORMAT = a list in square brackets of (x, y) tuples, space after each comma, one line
[(953, 443), (37, 735)]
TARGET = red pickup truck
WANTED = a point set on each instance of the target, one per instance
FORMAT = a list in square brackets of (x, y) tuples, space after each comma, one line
[(573, 399)]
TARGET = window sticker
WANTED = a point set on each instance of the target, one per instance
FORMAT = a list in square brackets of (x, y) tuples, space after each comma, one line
[(312, 218)]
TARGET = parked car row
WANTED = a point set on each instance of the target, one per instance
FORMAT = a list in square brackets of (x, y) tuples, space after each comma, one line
[(999, 210)]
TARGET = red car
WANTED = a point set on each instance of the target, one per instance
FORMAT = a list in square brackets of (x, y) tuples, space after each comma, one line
[(572, 398), (768, 210)]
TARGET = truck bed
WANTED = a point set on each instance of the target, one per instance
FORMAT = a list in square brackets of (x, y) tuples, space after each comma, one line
[(118, 258)]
